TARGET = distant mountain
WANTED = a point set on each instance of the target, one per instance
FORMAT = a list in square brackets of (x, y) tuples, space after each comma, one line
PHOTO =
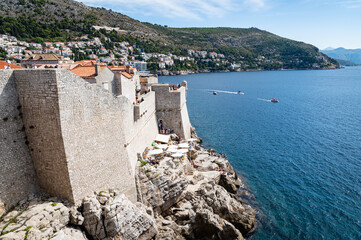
[(330, 48), (352, 55), (60, 20), (346, 63)]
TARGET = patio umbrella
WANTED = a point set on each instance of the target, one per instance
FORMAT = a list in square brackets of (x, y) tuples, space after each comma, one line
[(182, 150), (161, 146), (192, 139), (177, 155), (155, 152), (183, 145), (172, 150)]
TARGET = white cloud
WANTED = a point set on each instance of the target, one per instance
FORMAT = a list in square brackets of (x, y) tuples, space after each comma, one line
[(187, 9), (351, 3), (255, 4)]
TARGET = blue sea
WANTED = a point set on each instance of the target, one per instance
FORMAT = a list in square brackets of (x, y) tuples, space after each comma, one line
[(299, 158)]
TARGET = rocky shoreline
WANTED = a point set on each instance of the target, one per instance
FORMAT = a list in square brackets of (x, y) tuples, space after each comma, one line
[(188, 198)]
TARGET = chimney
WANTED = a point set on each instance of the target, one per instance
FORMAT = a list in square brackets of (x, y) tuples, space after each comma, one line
[(97, 69)]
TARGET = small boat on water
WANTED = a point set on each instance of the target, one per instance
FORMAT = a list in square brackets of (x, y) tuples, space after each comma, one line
[(274, 100), (239, 92), (214, 93)]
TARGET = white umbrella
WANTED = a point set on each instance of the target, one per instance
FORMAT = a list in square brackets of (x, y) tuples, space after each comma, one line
[(172, 150), (184, 145), (177, 155), (161, 146), (182, 150), (192, 139), (155, 152)]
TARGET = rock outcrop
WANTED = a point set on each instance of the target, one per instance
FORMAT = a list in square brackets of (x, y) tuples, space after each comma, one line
[(189, 198), (195, 198)]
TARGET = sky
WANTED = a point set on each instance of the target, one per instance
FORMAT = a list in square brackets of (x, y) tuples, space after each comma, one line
[(322, 23)]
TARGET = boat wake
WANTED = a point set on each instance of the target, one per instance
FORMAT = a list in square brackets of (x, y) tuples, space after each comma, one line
[(262, 99), (221, 91)]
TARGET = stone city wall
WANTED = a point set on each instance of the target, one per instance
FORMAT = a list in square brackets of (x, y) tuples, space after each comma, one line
[(171, 108), (140, 130), (17, 173), (38, 95), (93, 132), (77, 136), (80, 137)]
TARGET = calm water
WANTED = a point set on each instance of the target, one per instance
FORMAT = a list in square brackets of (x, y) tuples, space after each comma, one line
[(301, 157)]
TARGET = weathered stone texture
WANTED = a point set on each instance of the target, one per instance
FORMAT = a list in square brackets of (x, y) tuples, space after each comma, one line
[(17, 174), (172, 109), (140, 132), (115, 217), (93, 135), (38, 95)]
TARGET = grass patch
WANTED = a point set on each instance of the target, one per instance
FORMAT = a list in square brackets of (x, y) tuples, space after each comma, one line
[(143, 163), (54, 204), (27, 229), (12, 220)]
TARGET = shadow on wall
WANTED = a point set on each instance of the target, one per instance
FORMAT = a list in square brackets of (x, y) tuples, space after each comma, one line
[(17, 174)]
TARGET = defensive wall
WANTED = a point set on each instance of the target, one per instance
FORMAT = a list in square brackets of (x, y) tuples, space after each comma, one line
[(70, 138), (171, 107), (17, 173), (140, 126)]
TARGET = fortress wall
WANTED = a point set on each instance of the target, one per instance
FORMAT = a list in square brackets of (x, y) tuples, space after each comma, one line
[(141, 132), (92, 122), (17, 174), (171, 107), (38, 95)]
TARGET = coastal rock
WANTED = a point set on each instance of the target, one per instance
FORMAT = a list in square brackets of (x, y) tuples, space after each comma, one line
[(69, 234), (210, 226), (39, 220), (76, 218), (226, 182), (228, 207), (126, 221), (93, 219), (159, 191)]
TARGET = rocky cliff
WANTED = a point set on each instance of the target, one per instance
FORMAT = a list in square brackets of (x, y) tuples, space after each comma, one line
[(193, 198)]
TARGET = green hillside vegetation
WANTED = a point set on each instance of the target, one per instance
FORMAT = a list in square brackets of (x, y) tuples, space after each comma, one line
[(65, 20)]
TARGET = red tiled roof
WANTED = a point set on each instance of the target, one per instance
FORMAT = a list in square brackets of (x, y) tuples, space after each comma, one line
[(12, 66), (85, 63), (127, 75), (118, 68), (42, 57), (86, 71)]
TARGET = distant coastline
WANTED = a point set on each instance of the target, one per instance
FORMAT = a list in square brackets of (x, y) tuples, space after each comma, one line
[(188, 72)]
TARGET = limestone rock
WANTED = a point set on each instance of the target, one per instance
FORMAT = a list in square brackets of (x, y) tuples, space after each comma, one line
[(69, 234), (125, 220), (93, 218), (226, 182), (38, 221), (228, 207), (161, 192), (75, 217), (210, 226)]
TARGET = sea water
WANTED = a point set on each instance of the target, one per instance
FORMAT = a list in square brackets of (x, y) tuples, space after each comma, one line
[(300, 158)]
